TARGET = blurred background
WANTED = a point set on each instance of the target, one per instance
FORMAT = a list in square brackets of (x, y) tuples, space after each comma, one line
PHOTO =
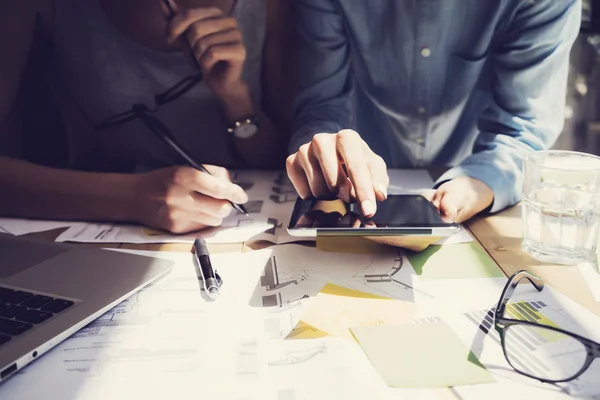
[(582, 126), (581, 131)]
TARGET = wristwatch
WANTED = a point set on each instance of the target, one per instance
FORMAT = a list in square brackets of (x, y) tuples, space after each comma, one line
[(244, 128)]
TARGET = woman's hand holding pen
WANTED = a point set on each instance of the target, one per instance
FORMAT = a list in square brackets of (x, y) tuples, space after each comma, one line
[(183, 199), (217, 45)]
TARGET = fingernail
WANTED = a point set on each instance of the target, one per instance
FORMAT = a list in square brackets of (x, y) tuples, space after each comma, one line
[(225, 210), (383, 190), (344, 192), (368, 208), (453, 213)]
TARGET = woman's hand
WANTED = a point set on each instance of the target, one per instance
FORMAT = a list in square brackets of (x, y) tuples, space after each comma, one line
[(216, 43), (182, 199)]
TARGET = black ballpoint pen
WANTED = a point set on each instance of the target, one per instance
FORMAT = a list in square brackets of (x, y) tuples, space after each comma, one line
[(171, 14), (160, 130), (211, 280), (163, 133)]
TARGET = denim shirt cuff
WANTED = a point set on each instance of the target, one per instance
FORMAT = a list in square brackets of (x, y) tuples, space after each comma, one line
[(507, 191)]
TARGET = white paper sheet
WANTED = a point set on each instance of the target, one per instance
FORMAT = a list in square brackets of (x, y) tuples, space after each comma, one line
[(169, 341), (20, 226), (592, 278), (477, 332)]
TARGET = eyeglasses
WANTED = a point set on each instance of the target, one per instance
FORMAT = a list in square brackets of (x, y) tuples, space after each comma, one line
[(543, 352), (178, 90)]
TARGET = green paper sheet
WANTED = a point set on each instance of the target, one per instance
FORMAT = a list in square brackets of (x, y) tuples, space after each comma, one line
[(420, 356), (455, 261)]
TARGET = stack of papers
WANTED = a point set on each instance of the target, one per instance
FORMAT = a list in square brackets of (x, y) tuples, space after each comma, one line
[(169, 340)]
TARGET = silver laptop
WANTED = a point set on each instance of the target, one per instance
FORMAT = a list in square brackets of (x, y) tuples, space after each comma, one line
[(48, 291)]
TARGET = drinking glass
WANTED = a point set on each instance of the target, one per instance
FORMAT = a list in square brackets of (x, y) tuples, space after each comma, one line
[(561, 206)]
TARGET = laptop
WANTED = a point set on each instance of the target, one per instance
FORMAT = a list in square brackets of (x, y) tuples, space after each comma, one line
[(48, 291)]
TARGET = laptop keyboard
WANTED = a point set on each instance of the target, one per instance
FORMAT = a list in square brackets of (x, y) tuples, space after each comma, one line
[(20, 311)]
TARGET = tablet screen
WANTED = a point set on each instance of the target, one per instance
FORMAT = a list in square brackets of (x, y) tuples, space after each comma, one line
[(398, 211)]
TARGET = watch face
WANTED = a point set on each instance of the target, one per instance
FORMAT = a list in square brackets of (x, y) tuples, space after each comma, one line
[(245, 131)]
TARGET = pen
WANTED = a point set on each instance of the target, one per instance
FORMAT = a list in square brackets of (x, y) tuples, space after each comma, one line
[(212, 281), (191, 51), (160, 130), (166, 136)]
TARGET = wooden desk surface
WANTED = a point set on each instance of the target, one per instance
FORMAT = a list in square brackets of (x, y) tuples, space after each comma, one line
[(500, 235)]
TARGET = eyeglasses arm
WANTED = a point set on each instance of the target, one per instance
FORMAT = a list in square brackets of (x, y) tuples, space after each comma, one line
[(511, 286)]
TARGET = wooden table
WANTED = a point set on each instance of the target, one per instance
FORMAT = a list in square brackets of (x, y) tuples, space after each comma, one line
[(500, 235)]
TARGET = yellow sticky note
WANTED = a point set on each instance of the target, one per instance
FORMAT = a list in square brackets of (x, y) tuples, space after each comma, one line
[(353, 245), (302, 330), (152, 231), (420, 356), (334, 314), (373, 244), (337, 290)]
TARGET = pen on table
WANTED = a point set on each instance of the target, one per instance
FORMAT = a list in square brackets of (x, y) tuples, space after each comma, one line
[(211, 280)]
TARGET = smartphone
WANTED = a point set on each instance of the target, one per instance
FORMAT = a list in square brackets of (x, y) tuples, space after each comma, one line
[(405, 215)]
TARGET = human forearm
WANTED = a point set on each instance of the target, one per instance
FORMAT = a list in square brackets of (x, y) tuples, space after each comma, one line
[(260, 149), (531, 63), (33, 191), (322, 104)]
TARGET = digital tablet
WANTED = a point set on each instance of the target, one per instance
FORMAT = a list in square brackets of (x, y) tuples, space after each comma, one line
[(397, 215)]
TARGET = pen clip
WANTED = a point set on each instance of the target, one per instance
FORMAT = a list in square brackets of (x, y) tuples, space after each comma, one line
[(201, 273)]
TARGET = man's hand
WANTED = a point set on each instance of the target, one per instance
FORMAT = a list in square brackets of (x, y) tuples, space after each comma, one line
[(182, 199), (461, 198), (217, 45), (317, 169)]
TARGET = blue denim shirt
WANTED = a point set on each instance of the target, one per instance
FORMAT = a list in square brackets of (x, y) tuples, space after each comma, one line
[(472, 84)]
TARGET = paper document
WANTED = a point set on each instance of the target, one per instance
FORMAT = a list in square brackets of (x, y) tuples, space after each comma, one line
[(169, 340), (591, 275), (420, 356), (20, 226), (536, 351), (295, 272), (335, 314)]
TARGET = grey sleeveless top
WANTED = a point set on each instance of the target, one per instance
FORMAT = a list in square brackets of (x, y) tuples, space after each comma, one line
[(104, 72)]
